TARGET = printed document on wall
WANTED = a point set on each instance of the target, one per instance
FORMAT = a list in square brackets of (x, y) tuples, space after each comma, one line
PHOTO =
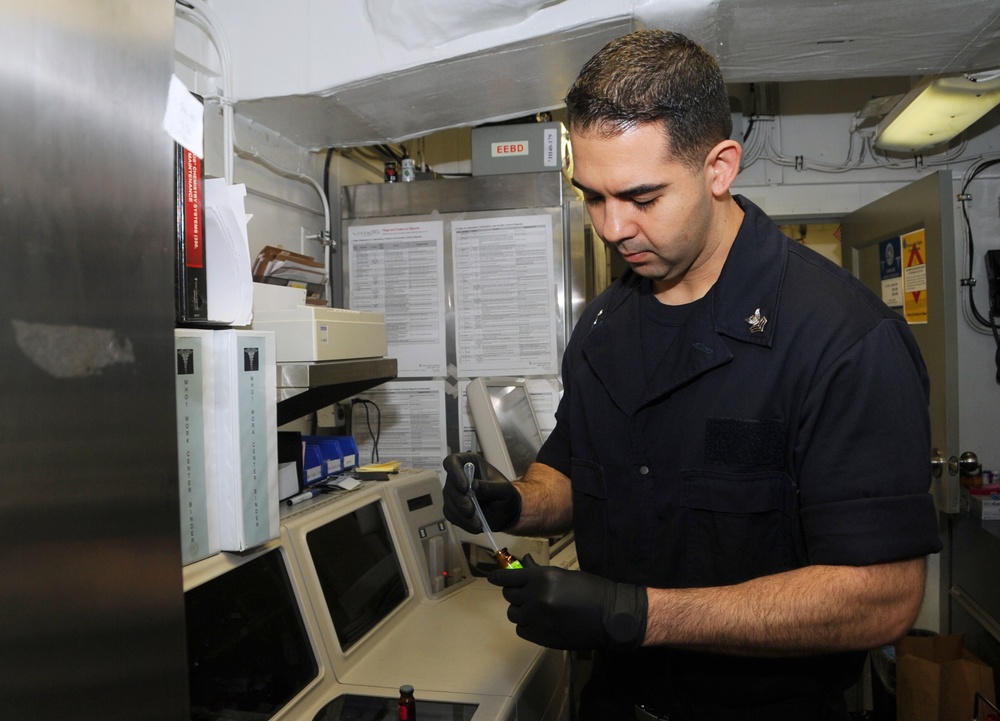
[(505, 305), (466, 427), (408, 419), (398, 269), (891, 270), (545, 394)]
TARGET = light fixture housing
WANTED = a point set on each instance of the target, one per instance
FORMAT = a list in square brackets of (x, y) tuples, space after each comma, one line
[(937, 110)]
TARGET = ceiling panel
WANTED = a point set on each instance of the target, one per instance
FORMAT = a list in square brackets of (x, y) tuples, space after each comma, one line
[(754, 40), (508, 81)]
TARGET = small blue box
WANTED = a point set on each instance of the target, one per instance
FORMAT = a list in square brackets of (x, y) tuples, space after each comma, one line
[(332, 455), (313, 464), (348, 451)]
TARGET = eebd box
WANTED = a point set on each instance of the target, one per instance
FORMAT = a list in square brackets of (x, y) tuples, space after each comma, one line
[(521, 148)]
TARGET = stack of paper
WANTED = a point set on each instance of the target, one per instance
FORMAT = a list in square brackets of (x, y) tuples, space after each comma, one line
[(227, 250)]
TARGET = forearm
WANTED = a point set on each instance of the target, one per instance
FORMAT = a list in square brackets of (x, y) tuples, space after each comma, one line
[(546, 502), (816, 609)]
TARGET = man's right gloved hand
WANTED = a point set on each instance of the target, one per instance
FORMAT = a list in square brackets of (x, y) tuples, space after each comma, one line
[(499, 499)]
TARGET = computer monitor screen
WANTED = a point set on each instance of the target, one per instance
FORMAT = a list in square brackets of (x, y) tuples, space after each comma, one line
[(248, 649), (517, 424), (358, 571), (506, 426)]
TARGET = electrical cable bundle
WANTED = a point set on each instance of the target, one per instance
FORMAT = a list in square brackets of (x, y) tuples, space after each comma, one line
[(973, 316)]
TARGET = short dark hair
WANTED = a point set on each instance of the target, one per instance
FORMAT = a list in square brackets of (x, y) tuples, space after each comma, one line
[(654, 76)]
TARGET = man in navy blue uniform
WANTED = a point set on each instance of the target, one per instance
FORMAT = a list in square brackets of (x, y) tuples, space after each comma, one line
[(742, 444)]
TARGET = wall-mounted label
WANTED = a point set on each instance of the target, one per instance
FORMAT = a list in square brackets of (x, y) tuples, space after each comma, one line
[(550, 154), (509, 148), (891, 269), (914, 254)]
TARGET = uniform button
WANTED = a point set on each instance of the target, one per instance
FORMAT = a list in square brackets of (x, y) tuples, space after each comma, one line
[(643, 470)]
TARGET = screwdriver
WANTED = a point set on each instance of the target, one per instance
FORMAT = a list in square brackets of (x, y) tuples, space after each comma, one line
[(503, 558)]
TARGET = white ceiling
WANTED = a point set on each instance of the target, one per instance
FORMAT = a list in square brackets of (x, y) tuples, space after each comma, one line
[(393, 86)]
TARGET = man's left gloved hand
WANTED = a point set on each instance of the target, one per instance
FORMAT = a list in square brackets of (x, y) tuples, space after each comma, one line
[(573, 610)]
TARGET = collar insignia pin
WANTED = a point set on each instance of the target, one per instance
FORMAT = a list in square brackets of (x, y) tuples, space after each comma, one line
[(757, 322)]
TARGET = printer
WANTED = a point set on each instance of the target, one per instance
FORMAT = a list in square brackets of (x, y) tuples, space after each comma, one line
[(308, 333)]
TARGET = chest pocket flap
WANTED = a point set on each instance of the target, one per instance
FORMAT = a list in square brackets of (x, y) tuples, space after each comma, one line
[(737, 526)]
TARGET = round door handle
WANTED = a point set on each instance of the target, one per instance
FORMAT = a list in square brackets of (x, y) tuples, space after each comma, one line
[(937, 462), (968, 464)]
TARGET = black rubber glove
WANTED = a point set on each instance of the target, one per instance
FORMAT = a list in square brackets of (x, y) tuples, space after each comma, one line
[(499, 499), (573, 610)]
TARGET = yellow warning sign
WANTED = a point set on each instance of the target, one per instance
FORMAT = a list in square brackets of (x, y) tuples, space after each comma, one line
[(914, 276)]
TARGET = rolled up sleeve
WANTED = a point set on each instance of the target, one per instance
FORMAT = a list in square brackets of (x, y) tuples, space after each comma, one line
[(864, 455)]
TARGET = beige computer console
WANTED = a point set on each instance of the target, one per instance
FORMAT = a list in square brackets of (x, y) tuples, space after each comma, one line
[(370, 591)]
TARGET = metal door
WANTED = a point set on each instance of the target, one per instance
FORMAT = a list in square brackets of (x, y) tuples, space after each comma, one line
[(925, 204), (91, 599)]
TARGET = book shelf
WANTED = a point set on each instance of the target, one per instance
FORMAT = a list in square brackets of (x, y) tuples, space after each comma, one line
[(304, 388)]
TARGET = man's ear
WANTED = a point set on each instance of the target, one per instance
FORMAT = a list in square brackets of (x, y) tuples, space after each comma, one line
[(722, 165)]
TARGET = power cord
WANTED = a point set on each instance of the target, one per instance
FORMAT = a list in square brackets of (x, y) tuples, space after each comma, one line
[(364, 402)]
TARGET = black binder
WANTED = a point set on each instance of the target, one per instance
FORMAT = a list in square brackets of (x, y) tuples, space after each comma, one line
[(189, 188)]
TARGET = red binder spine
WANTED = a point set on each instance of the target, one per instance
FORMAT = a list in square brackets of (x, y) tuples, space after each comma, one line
[(189, 183), (191, 300)]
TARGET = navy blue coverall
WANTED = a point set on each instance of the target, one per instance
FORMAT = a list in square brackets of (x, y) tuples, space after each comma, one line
[(786, 425)]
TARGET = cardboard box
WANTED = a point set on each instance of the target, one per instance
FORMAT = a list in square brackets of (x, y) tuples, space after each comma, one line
[(937, 679), (985, 508)]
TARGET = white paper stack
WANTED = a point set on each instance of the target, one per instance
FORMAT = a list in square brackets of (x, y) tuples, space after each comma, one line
[(227, 248), (196, 444)]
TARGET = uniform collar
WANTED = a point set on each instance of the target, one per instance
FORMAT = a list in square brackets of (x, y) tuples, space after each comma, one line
[(748, 288), (745, 303)]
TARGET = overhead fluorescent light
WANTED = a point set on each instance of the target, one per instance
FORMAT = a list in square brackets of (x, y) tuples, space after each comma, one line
[(936, 111)]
